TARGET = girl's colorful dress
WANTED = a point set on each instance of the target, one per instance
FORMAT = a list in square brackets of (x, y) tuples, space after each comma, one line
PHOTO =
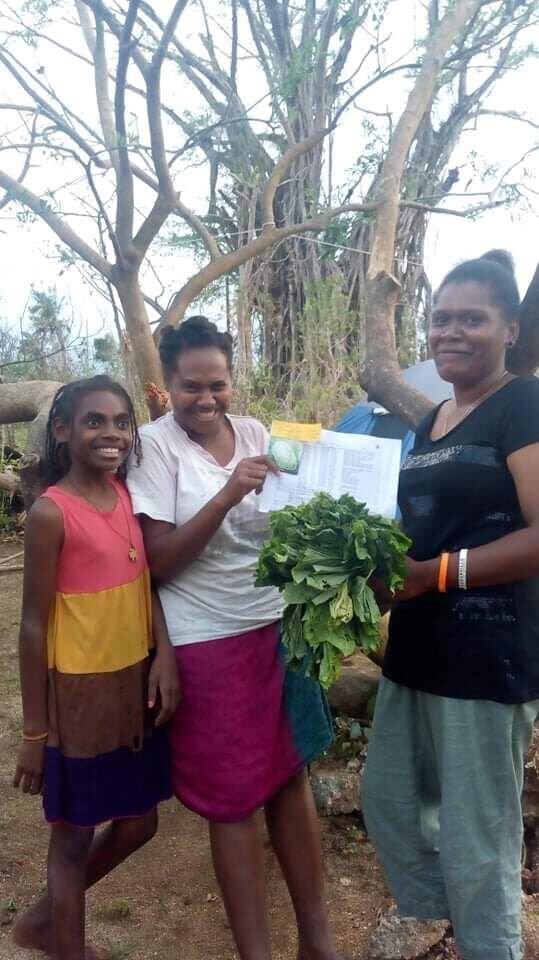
[(104, 758)]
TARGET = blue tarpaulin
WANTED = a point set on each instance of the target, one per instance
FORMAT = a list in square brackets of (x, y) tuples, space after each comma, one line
[(364, 419), (372, 419)]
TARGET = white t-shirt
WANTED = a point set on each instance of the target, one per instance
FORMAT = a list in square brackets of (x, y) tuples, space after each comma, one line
[(215, 596)]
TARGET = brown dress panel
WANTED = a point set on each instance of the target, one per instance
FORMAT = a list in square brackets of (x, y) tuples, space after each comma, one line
[(95, 713)]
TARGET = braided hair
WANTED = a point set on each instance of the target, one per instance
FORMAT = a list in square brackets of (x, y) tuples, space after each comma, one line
[(57, 461)]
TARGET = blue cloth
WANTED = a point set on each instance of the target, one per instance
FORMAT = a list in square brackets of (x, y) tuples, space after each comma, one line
[(359, 419), (362, 419)]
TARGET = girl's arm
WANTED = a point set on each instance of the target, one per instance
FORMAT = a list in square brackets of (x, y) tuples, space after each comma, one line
[(43, 541), (163, 682), (171, 549), (511, 558)]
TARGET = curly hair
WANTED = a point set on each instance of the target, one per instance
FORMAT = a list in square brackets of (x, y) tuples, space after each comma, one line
[(194, 333)]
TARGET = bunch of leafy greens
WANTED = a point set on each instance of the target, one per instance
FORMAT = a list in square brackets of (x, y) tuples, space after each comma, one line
[(321, 556)]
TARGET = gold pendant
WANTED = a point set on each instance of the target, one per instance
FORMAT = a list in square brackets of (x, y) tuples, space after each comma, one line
[(133, 554)]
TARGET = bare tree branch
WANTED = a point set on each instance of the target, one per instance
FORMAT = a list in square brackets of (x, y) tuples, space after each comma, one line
[(508, 115), (125, 200), (270, 237), (63, 231), (116, 28), (95, 41), (40, 91), (234, 47), (281, 168), (167, 199), (381, 373), (27, 160), (154, 104)]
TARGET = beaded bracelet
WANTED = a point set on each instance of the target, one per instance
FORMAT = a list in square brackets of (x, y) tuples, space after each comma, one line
[(463, 570)]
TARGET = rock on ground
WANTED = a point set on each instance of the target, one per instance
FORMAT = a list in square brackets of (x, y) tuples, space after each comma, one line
[(336, 787), (356, 686), (404, 938)]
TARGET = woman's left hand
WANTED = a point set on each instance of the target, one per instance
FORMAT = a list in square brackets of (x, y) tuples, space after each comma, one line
[(164, 685)]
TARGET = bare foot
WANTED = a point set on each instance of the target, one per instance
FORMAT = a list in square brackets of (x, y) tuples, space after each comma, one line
[(33, 932), (328, 953), (94, 953), (302, 955)]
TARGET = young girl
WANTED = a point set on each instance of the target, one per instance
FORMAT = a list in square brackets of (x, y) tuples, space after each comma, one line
[(91, 740)]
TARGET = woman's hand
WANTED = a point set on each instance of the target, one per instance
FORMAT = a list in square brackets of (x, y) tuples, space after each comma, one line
[(421, 577), (248, 475), (172, 549), (30, 764), (164, 685)]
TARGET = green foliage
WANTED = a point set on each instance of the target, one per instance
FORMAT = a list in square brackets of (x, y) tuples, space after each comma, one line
[(115, 910), (349, 21), (49, 348), (323, 383), (350, 738), (300, 69), (121, 951), (322, 556), (9, 520), (105, 349), (9, 347), (8, 906)]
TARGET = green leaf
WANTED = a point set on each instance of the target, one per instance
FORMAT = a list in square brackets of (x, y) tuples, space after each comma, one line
[(342, 606), (299, 593)]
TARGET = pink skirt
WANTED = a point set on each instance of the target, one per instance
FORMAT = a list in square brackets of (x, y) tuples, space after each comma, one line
[(245, 725)]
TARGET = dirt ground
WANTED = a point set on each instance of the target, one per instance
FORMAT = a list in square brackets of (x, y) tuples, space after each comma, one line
[(164, 902)]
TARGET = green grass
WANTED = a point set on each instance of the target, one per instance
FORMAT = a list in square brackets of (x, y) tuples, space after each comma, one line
[(115, 910), (121, 951), (8, 906)]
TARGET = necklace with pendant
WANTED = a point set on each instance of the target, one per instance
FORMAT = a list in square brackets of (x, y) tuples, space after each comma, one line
[(132, 552), (471, 406)]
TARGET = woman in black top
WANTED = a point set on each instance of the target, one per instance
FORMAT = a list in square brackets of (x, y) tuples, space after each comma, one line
[(460, 691)]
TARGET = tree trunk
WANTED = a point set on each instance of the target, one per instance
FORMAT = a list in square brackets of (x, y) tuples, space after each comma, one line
[(142, 343), (9, 483), (381, 375)]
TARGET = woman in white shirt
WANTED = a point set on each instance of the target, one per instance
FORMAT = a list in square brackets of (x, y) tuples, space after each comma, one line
[(246, 727)]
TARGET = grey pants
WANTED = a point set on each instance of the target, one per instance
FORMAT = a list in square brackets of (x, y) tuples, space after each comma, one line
[(441, 797)]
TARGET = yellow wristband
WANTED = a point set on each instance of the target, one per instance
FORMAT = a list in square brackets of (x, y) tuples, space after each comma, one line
[(40, 738)]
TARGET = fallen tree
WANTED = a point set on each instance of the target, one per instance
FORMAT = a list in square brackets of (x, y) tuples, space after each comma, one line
[(9, 482), (27, 401)]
